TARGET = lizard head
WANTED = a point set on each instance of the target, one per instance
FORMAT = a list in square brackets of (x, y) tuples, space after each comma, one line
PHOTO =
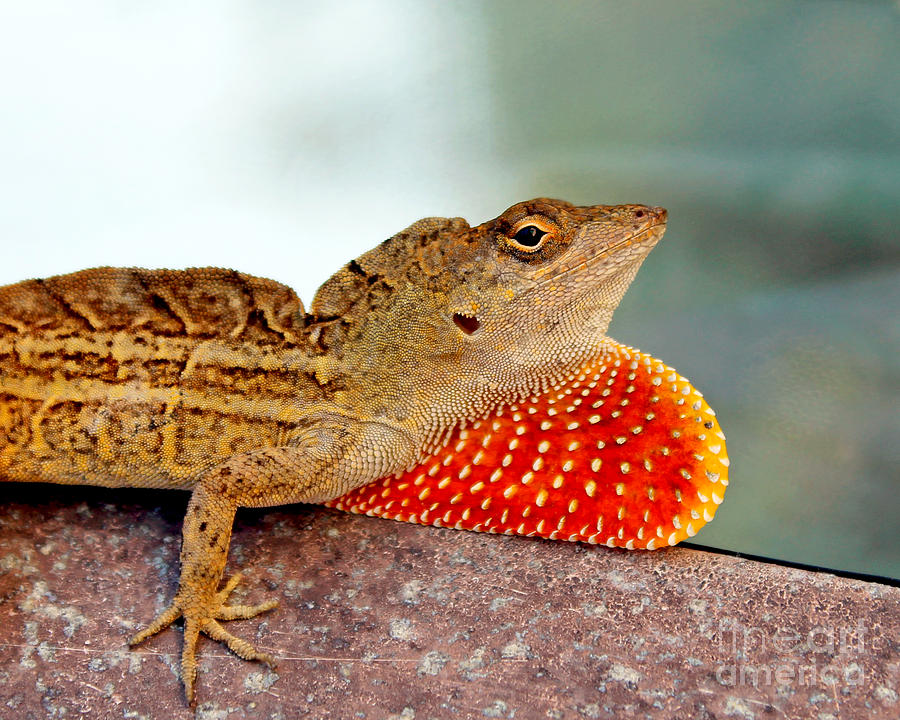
[(549, 274), (457, 318)]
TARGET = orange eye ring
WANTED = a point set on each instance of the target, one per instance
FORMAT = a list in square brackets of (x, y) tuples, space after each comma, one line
[(530, 234)]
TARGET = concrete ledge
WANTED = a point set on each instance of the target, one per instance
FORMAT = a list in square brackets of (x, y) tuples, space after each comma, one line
[(382, 619)]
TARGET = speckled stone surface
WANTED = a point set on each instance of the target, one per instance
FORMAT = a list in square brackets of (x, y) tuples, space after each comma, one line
[(387, 620)]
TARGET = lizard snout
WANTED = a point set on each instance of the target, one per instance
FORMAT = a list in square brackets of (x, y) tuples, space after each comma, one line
[(651, 215)]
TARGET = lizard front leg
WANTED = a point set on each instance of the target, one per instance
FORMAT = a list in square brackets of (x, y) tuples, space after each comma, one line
[(206, 536), (326, 462)]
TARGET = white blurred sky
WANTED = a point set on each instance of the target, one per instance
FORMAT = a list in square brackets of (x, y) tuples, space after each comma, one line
[(280, 139)]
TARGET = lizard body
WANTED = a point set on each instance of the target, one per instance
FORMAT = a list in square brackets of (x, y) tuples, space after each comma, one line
[(454, 375)]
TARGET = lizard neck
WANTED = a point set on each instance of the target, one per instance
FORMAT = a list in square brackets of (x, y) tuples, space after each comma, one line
[(483, 394), (430, 401)]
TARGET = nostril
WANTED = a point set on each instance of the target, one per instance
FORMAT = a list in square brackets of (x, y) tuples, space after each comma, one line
[(639, 213)]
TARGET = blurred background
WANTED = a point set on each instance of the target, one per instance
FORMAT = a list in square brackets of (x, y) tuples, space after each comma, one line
[(284, 138)]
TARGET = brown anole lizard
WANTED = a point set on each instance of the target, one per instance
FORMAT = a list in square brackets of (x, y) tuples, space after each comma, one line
[(454, 375)]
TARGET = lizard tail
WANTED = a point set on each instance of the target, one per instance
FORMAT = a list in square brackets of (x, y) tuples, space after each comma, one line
[(625, 452)]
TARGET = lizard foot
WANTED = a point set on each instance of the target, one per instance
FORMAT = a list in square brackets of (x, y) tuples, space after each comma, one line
[(203, 618)]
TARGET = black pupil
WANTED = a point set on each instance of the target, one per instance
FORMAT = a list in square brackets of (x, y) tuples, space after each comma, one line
[(529, 236)]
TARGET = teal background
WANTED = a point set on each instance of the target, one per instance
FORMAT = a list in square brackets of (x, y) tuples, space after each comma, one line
[(284, 138)]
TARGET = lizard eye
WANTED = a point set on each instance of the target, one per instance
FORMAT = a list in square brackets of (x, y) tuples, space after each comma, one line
[(529, 235)]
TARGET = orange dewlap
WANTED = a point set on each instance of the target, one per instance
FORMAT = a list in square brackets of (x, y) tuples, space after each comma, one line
[(625, 452)]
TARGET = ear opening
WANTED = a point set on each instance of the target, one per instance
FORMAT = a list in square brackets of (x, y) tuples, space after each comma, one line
[(468, 324)]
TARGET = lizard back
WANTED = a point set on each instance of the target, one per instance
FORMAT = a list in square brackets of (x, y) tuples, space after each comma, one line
[(145, 378)]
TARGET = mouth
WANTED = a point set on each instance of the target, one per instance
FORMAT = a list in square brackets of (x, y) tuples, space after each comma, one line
[(653, 230), (646, 238)]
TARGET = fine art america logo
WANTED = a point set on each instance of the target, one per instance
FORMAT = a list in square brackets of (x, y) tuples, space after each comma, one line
[(823, 656)]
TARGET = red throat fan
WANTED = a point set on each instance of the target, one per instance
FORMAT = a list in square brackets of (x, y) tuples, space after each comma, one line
[(625, 452)]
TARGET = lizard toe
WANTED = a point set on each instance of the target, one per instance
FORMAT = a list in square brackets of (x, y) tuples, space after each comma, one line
[(237, 645), (189, 657), (244, 612), (162, 621), (230, 585), (223, 611)]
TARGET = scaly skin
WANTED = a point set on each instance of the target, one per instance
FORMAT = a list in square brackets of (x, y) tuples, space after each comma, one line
[(453, 376)]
